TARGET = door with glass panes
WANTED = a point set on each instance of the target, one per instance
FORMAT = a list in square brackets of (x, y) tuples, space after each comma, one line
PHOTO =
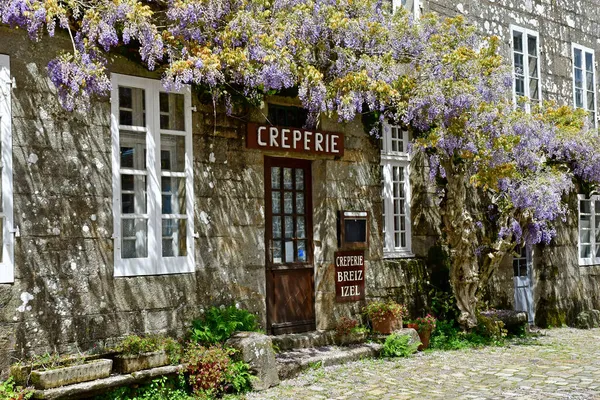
[(288, 236), (522, 271)]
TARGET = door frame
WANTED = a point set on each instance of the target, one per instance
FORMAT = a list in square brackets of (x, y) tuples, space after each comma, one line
[(284, 162)]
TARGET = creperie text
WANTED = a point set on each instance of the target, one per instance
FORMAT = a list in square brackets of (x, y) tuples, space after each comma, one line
[(298, 139)]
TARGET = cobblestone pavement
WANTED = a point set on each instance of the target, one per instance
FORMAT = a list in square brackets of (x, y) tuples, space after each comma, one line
[(560, 364)]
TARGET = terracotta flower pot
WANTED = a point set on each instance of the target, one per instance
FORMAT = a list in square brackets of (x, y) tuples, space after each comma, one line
[(424, 336), (387, 325)]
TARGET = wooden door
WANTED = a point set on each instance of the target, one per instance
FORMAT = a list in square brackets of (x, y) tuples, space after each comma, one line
[(522, 271), (288, 238)]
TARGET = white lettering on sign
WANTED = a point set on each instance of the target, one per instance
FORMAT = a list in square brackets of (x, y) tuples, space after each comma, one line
[(345, 276), (348, 291), (349, 261), (291, 139)]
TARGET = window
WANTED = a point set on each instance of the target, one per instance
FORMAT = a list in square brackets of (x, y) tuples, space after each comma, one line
[(396, 192), (152, 178), (589, 230), (412, 6), (287, 116), (584, 82), (6, 189), (526, 66)]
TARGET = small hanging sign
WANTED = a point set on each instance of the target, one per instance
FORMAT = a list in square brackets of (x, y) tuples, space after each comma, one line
[(349, 275)]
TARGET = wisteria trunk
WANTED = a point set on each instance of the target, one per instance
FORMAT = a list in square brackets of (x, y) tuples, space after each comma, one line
[(462, 241)]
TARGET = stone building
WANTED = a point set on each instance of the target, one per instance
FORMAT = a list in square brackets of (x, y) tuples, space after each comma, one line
[(154, 206)]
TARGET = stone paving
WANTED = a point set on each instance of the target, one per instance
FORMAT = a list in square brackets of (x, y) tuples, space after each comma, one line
[(559, 364)]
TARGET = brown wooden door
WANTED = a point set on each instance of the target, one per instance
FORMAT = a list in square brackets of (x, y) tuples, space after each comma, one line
[(288, 237)]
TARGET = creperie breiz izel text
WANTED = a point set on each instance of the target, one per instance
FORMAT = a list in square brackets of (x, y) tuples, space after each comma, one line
[(297, 139)]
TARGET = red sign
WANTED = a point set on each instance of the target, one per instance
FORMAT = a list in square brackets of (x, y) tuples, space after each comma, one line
[(349, 275), (268, 137)]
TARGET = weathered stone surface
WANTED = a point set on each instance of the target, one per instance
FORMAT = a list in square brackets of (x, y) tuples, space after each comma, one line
[(126, 364), (303, 340), (514, 321), (256, 349), (588, 319), (89, 371)]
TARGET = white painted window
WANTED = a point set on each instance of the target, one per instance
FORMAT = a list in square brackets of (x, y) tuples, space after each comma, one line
[(412, 6), (584, 80), (7, 232), (526, 65), (396, 192), (152, 178), (589, 230)]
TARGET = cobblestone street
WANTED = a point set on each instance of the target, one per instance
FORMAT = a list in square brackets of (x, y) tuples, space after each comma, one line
[(560, 364)]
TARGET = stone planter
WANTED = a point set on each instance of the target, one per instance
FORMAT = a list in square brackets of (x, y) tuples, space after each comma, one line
[(126, 364), (351, 338), (92, 370), (387, 325)]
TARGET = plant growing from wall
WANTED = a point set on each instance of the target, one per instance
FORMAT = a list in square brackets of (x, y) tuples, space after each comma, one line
[(502, 172), (137, 345)]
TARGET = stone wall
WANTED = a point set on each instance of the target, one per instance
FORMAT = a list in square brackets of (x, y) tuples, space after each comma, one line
[(65, 297), (560, 287)]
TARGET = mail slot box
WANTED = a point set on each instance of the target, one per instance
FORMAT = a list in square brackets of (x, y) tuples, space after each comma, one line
[(353, 229)]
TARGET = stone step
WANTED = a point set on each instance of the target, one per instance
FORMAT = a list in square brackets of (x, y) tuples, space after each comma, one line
[(303, 340), (291, 363)]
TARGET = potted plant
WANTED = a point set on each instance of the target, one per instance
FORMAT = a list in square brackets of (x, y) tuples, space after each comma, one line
[(385, 316), (138, 353), (424, 326), (348, 331), (51, 370)]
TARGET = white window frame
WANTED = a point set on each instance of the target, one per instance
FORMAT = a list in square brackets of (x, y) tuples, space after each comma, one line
[(154, 263), (527, 89), (7, 272), (584, 50), (593, 260), (389, 160), (416, 11)]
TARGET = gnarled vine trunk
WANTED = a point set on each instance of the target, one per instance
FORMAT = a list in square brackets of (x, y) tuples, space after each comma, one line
[(459, 228)]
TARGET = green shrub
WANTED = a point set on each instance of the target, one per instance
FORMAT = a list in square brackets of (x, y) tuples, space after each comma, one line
[(10, 391), (398, 346), (449, 336), (134, 345), (219, 324), (211, 371), (162, 388)]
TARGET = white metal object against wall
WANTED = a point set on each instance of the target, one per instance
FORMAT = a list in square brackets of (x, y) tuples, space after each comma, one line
[(523, 282), (584, 80), (152, 178), (6, 213), (395, 163), (526, 65)]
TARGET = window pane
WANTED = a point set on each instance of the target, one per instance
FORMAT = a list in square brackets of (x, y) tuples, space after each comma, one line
[(578, 98), (584, 236), (301, 245), (300, 203), (276, 249), (134, 238), (585, 206), (589, 81), (299, 179), (276, 202), (532, 45), (585, 222), (172, 154), (133, 194), (519, 66), (174, 237), (172, 115), (534, 93), (287, 178), (518, 41), (289, 227), (275, 177), (133, 150), (577, 58), (533, 62), (590, 101), (300, 228), (276, 227), (589, 65), (288, 205), (578, 78), (520, 86), (585, 251), (173, 191), (132, 110)]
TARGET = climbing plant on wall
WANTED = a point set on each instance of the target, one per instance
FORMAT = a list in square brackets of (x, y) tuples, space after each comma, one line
[(503, 173)]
